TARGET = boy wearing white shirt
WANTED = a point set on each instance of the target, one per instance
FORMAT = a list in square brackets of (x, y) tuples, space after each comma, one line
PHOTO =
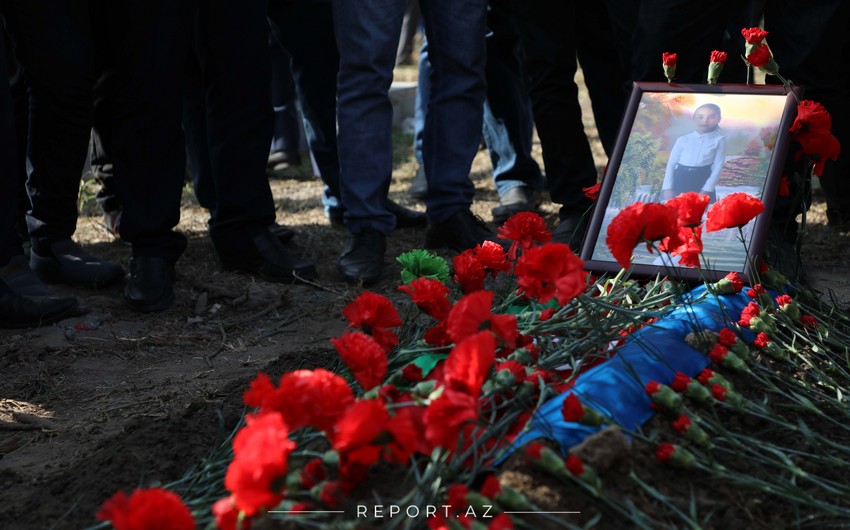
[(697, 158)]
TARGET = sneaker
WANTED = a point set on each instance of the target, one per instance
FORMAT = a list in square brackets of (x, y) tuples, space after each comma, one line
[(459, 232), (363, 258), (515, 200), (67, 262)]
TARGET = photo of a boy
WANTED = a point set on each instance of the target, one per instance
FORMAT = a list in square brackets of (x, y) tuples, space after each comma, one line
[(697, 158)]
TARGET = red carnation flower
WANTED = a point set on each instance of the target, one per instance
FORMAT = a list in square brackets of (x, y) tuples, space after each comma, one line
[(431, 296), (469, 363), (761, 341), (260, 450), (534, 450), (469, 271), (146, 509), (449, 417), (412, 373), (718, 56), (227, 515), (809, 321), (640, 222), (592, 192), (664, 452), (748, 313), (734, 210), (674, 455), (783, 299), (373, 314), (366, 432), (573, 410), (473, 313), (492, 256), (754, 36), (680, 382), (304, 397), (669, 59), (551, 271), (719, 392), (812, 118), (756, 290), (313, 473), (727, 337), (690, 207), (491, 487), (524, 229), (365, 358), (760, 57), (575, 465), (682, 423)]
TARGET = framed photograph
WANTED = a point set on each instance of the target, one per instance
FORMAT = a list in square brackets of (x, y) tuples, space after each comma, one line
[(712, 139)]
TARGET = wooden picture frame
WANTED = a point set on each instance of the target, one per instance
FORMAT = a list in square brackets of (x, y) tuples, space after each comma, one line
[(649, 157)]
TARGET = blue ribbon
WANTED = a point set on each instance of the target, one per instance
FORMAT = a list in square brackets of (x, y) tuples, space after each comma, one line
[(653, 353)]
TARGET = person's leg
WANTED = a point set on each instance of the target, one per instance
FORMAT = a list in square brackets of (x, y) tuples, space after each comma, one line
[(508, 125), (232, 44), (603, 71), (457, 53), (53, 46), (409, 29), (195, 130), (551, 61), (17, 309), (286, 138), (140, 52), (419, 187)]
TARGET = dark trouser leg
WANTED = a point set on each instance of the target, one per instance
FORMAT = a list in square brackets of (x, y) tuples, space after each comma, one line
[(10, 245), (551, 54), (53, 44), (140, 50), (287, 130), (305, 29), (197, 136), (233, 47)]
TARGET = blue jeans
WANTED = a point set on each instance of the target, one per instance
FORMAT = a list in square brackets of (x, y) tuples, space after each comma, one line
[(367, 34), (508, 124)]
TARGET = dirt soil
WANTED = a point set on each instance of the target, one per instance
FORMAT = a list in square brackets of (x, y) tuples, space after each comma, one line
[(113, 399)]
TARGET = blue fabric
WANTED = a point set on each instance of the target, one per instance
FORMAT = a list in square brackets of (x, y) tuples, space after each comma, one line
[(653, 353)]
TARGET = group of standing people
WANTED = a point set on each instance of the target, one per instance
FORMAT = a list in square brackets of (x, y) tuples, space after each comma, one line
[(157, 79)]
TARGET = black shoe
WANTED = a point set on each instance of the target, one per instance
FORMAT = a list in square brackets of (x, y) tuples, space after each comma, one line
[(67, 262), (419, 187), (268, 259), (405, 217), (570, 231), (459, 232), (150, 284), (363, 258), (284, 234), (516, 200), (18, 276), (17, 311)]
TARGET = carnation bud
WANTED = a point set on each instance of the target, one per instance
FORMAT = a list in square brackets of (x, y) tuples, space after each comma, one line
[(668, 60), (718, 59), (674, 455), (788, 306), (512, 499), (664, 396), (583, 472), (574, 410), (723, 357), (730, 284), (722, 393), (691, 430), (709, 377), (522, 356)]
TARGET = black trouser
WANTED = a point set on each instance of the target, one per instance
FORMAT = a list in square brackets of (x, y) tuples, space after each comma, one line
[(689, 178), (231, 40), (9, 243), (548, 36), (54, 47)]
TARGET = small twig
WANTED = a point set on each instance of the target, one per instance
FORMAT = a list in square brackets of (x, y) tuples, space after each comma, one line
[(317, 285), (212, 289)]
